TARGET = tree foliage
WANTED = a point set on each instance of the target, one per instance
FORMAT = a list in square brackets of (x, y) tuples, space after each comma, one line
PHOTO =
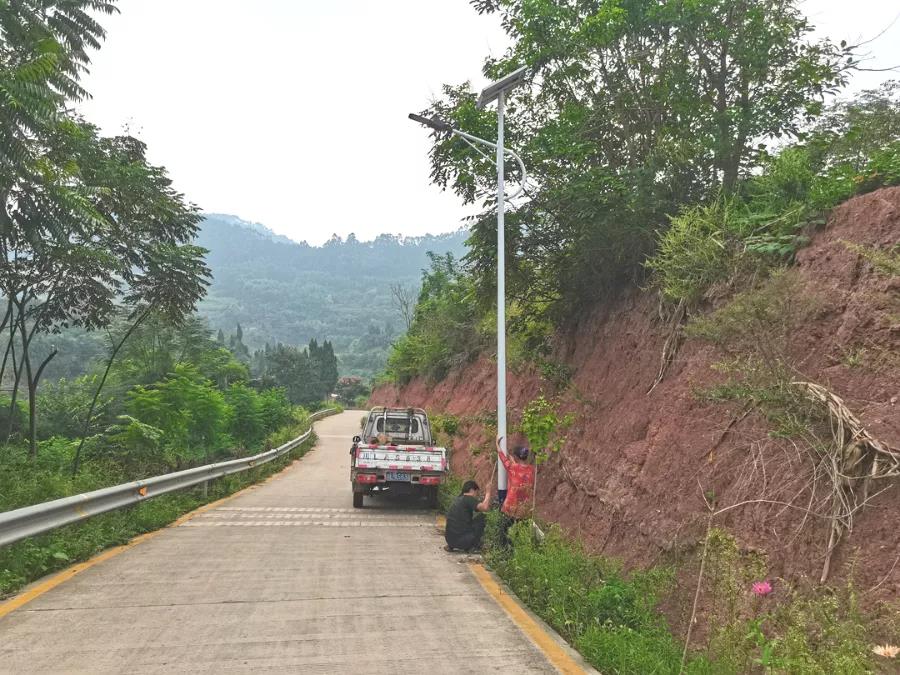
[(158, 345), (307, 375), (636, 108), (191, 413), (445, 327), (87, 224), (351, 390), (177, 398), (852, 149)]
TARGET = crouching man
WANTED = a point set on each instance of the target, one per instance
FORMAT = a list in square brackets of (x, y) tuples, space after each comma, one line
[(465, 527)]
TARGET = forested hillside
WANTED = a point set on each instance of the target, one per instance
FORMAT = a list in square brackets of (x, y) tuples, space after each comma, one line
[(285, 292)]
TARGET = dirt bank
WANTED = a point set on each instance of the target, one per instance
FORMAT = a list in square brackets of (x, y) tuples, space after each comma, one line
[(631, 476)]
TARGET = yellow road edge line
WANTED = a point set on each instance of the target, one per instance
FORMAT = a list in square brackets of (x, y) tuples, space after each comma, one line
[(41, 587), (535, 632)]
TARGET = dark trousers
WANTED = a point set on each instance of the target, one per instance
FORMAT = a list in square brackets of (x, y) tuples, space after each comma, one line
[(506, 522), (471, 539)]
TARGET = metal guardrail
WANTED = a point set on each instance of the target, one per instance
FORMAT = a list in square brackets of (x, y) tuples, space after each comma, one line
[(39, 518)]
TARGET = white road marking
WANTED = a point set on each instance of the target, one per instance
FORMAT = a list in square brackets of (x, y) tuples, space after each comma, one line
[(318, 509), (301, 516), (303, 523)]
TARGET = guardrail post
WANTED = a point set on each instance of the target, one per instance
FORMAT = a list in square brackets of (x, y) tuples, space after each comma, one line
[(205, 489)]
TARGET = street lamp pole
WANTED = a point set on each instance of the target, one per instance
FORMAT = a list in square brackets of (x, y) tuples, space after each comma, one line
[(501, 303), (495, 91)]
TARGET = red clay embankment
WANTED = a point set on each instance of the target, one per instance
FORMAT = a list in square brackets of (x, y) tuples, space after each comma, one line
[(630, 479)]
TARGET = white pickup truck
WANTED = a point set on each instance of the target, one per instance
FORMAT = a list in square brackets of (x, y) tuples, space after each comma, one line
[(395, 454)]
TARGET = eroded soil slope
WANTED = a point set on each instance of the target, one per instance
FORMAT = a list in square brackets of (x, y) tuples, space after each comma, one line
[(631, 476)]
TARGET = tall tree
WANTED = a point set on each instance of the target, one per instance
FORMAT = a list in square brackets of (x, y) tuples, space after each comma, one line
[(290, 369), (405, 302), (87, 221), (638, 107)]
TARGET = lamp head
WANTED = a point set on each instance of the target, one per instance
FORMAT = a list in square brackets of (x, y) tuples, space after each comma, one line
[(432, 122)]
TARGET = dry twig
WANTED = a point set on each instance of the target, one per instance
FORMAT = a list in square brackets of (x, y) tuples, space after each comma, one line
[(854, 455), (672, 343)]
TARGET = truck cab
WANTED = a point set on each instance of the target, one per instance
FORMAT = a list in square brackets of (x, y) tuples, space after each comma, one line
[(395, 454)]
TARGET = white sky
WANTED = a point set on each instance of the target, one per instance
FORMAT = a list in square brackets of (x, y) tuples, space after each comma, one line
[(292, 113)]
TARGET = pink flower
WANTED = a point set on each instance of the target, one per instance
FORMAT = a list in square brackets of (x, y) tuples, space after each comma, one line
[(761, 588)]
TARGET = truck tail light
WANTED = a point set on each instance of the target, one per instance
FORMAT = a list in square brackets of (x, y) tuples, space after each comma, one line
[(430, 480), (366, 478)]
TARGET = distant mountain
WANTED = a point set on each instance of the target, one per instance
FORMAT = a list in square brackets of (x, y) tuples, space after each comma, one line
[(256, 227), (283, 291)]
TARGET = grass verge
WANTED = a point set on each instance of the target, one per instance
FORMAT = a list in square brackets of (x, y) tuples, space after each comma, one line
[(608, 616), (612, 617)]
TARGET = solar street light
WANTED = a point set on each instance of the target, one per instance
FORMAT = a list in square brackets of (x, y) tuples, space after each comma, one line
[(496, 91)]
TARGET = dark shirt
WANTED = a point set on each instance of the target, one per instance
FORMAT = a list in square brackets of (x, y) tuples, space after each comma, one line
[(459, 516)]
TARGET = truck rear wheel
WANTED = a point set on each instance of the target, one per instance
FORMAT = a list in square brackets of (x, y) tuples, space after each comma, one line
[(432, 498), (357, 500)]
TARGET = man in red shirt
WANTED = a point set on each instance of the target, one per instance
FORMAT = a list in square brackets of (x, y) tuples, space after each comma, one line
[(520, 487)]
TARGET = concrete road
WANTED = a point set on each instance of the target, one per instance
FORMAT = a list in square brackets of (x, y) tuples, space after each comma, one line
[(286, 577)]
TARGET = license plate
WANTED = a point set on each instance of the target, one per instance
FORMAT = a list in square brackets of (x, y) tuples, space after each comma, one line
[(397, 475)]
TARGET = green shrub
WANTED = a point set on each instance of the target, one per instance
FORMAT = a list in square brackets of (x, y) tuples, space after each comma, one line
[(63, 406), (717, 244), (276, 410), (138, 448), (543, 427), (448, 491), (883, 169), (761, 228), (784, 184), (559, 375), (699, 250), (495, 545), (13, 418), (823, 634), (189, 409), (813, 630), (529, 330), (445, 424), (245, 423), (298, 424)]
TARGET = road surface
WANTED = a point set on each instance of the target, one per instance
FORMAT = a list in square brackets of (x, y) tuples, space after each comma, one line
[(286, 577)]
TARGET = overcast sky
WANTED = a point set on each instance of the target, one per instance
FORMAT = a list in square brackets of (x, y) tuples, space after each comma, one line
[(292, 113)]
